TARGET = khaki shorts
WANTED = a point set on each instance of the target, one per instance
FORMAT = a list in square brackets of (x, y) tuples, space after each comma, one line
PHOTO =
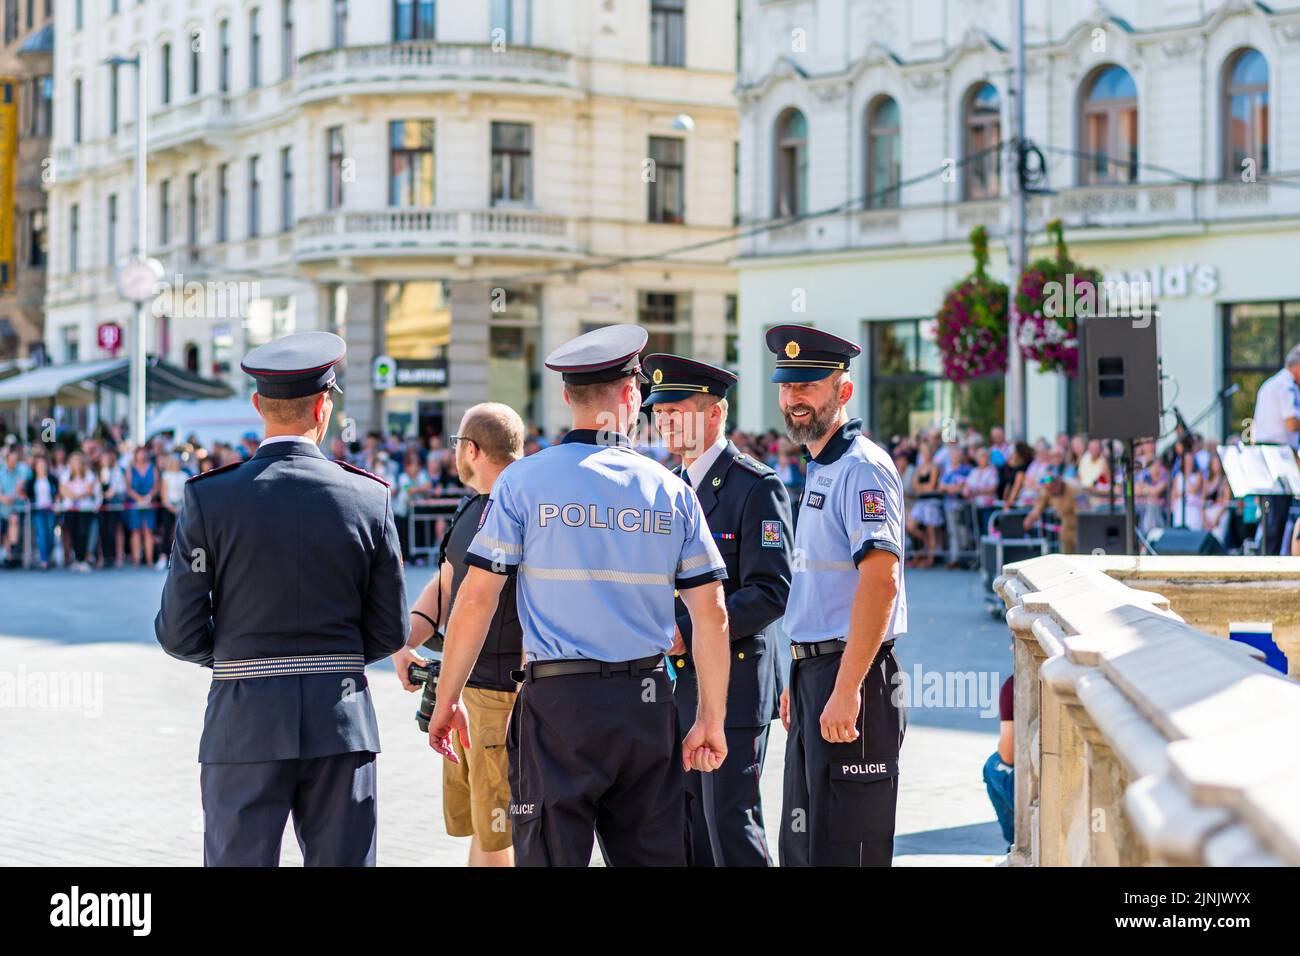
[(476, 791)]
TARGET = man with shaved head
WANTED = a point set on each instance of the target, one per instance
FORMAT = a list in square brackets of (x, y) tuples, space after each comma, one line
[(476, 790)]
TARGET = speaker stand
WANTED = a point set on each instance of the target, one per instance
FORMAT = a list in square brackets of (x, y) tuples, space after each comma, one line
[(1130, 506)]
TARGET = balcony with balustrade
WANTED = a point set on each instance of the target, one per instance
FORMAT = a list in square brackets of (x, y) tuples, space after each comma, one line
[(431, 67), (1152, 207), (400, 232)]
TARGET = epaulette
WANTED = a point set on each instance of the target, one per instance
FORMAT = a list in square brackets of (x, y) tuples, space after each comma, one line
[(214, 471), (754, 465), (360, 471)]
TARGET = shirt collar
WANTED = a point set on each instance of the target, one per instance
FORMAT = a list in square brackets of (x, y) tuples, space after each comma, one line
[(838, 444), (699, 468), (595, 436), (267, 441)]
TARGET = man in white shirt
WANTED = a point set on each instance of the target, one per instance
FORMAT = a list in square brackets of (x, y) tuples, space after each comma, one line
[(1277, 421)]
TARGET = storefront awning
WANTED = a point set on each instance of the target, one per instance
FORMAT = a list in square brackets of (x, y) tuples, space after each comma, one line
[(163, 382)]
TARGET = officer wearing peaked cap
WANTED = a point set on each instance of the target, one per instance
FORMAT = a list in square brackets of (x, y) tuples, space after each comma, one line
[(286, 580), (599, 536), (847, 605), (748, 510)]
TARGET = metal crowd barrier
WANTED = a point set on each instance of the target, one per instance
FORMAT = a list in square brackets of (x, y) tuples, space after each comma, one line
[(28, 542), (422, 517)]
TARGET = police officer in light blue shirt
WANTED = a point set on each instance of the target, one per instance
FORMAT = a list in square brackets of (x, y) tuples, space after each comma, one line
[(600, 537), (847, 605)]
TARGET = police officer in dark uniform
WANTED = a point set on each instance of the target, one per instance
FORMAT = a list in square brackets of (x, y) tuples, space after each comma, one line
[(286, 579), (599, 536), (748, 510), (847, 605)]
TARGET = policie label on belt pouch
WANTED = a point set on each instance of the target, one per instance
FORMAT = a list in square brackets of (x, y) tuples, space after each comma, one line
[(866, 771), (873, 505), (816, 500)]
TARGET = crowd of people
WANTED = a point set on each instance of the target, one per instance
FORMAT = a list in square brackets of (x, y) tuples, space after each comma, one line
[(101, 503), (953, 486)]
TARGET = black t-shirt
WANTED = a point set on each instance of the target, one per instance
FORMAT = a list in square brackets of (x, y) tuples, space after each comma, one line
[(503, 649)]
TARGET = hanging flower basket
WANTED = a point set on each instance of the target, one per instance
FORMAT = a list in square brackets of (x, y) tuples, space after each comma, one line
[(972, 323), (1053, 293)]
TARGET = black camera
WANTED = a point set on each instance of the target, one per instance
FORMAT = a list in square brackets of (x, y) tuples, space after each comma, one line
[(426, 674)]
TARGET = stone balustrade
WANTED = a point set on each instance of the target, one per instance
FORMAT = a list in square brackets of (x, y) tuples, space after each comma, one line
[(1140, 739)]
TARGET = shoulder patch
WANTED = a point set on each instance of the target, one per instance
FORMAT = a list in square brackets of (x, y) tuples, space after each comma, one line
[(754, 466), (348, 466), (215, 471)]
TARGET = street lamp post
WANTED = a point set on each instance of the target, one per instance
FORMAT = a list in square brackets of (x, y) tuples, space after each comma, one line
[(131, 278), (1015, 413)]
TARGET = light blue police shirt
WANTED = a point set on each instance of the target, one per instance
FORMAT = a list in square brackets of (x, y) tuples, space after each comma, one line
[(601, 535), (852, 502)]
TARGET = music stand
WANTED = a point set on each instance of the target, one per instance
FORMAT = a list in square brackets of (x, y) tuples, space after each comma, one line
[(1261, 470)]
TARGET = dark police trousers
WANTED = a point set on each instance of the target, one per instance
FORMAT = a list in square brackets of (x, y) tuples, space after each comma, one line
[(596, 754), (724, 810), (840, 799), (332, 800)]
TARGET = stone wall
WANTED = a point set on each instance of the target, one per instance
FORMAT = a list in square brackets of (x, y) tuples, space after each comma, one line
[(1139, 738)]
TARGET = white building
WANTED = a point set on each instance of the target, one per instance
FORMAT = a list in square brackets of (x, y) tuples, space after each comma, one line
[(1183, 100), (374, 167)]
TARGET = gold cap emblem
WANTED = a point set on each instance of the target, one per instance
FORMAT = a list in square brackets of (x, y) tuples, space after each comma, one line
[(792, 349), (658, 376)]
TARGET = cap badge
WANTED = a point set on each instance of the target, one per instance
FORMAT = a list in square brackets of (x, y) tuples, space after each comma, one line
[(658, 376), (792, 349)]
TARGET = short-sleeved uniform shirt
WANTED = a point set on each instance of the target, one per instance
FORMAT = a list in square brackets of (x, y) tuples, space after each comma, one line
[(852, 502), (1277, 400), (600, 536)]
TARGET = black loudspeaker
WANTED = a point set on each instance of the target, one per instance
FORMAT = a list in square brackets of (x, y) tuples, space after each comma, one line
[(1119, 368), (1183, 541), (1101, 531)]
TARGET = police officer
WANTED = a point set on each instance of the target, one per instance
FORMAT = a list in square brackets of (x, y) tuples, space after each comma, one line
[(286, 579), (600, 536), (847, 605), (748, 511)]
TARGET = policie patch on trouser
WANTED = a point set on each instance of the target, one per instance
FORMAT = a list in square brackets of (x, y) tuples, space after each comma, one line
[(840, 799), (597, 756)]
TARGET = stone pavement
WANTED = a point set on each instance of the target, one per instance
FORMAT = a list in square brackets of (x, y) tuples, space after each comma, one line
[(99, 731)]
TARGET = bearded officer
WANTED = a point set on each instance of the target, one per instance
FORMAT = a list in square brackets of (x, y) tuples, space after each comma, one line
[(286, 579), (748, 511), (847, 605), (600, 536)]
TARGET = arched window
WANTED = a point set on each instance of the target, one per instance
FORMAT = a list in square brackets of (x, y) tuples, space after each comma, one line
[(884, 153), (1109, 134), (1245, 113), (791, 164), (982, 123)]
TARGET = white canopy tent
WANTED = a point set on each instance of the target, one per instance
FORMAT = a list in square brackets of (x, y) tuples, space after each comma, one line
[(78, 383)]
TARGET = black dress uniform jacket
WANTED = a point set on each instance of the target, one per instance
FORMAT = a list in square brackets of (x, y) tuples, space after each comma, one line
[(287, 554), (748, 511)]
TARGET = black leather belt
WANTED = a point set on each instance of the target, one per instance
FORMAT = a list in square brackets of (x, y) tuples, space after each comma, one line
[(536, 670), (799, 652)]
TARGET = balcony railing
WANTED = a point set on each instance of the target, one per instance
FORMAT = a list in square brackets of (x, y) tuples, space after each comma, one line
[(183, 122), (1143, 205), (401, 232), (420, 64)]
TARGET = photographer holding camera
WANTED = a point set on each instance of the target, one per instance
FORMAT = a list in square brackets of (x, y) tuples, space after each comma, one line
[(476, 789)]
